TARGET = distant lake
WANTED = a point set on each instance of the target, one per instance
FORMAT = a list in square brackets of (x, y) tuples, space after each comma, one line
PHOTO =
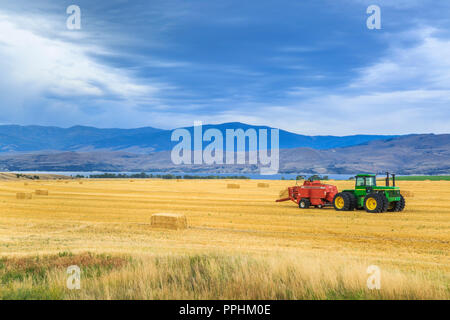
[(250, 175)]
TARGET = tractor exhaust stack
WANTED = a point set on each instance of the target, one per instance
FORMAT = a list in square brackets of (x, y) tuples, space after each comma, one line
[(393, 180), (387, 179)]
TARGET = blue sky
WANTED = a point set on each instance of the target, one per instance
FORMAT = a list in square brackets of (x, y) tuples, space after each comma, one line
[(311, 67)]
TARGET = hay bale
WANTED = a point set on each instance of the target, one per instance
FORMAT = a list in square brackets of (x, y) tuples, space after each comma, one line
[(233, 186), (23, 195), (179, 180), (407, 194), (25, 184), (41, 192), (81, 182), (284, 193), (263, 185), (66, 181), (169, 221)]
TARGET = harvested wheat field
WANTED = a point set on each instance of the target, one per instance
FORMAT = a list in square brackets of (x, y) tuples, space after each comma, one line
[(239, 243)]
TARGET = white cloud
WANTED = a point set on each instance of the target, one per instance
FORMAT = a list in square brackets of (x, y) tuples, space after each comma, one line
[(35, 66), (425, 66), (406, 91)]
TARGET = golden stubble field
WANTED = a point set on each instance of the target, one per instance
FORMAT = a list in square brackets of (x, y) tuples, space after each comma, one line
[(240, 243)]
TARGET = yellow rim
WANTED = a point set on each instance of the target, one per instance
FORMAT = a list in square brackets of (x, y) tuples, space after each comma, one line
[(371, 203), (339, 202)]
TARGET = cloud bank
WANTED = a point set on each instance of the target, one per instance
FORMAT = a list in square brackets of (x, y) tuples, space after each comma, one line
[(169, 63)]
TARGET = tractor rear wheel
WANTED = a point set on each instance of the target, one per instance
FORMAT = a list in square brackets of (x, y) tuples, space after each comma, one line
[(342, 201), (375, 203), (304, 204), (353, 201), (398, 206)]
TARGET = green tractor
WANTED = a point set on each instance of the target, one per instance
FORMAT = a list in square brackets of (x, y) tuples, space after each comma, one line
[(367, 195)]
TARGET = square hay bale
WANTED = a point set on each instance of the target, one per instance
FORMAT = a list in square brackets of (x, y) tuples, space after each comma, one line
[(284, 193), (41, 192), (233, 186), (23, 195), (169, 221), (263, 185), (407, 194)]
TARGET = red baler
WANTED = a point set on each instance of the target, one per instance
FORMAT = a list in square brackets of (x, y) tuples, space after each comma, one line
[(311, 193)]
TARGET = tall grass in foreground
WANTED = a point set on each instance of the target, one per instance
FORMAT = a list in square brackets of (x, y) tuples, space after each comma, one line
[(217, 276)]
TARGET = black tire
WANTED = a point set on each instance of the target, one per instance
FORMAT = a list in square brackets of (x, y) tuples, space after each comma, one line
[(398, 206), (342, 201), (375, 202), (304, 204), (353, 201), (385, 202)]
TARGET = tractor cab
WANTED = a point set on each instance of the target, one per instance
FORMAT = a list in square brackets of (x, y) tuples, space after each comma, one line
[(364, 181)]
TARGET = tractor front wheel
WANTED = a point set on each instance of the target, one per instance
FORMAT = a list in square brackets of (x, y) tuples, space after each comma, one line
[(342, 202), (398, 206), (304, 204), (375, 203)]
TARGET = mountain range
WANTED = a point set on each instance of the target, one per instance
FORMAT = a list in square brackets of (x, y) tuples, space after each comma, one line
[(14, 138), (79, 148)]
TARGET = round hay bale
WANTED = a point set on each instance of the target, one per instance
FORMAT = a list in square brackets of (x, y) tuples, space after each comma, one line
[(23, 195), (233, 186), (25, 184), (263, 185), (41, 192), (169, 221)]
